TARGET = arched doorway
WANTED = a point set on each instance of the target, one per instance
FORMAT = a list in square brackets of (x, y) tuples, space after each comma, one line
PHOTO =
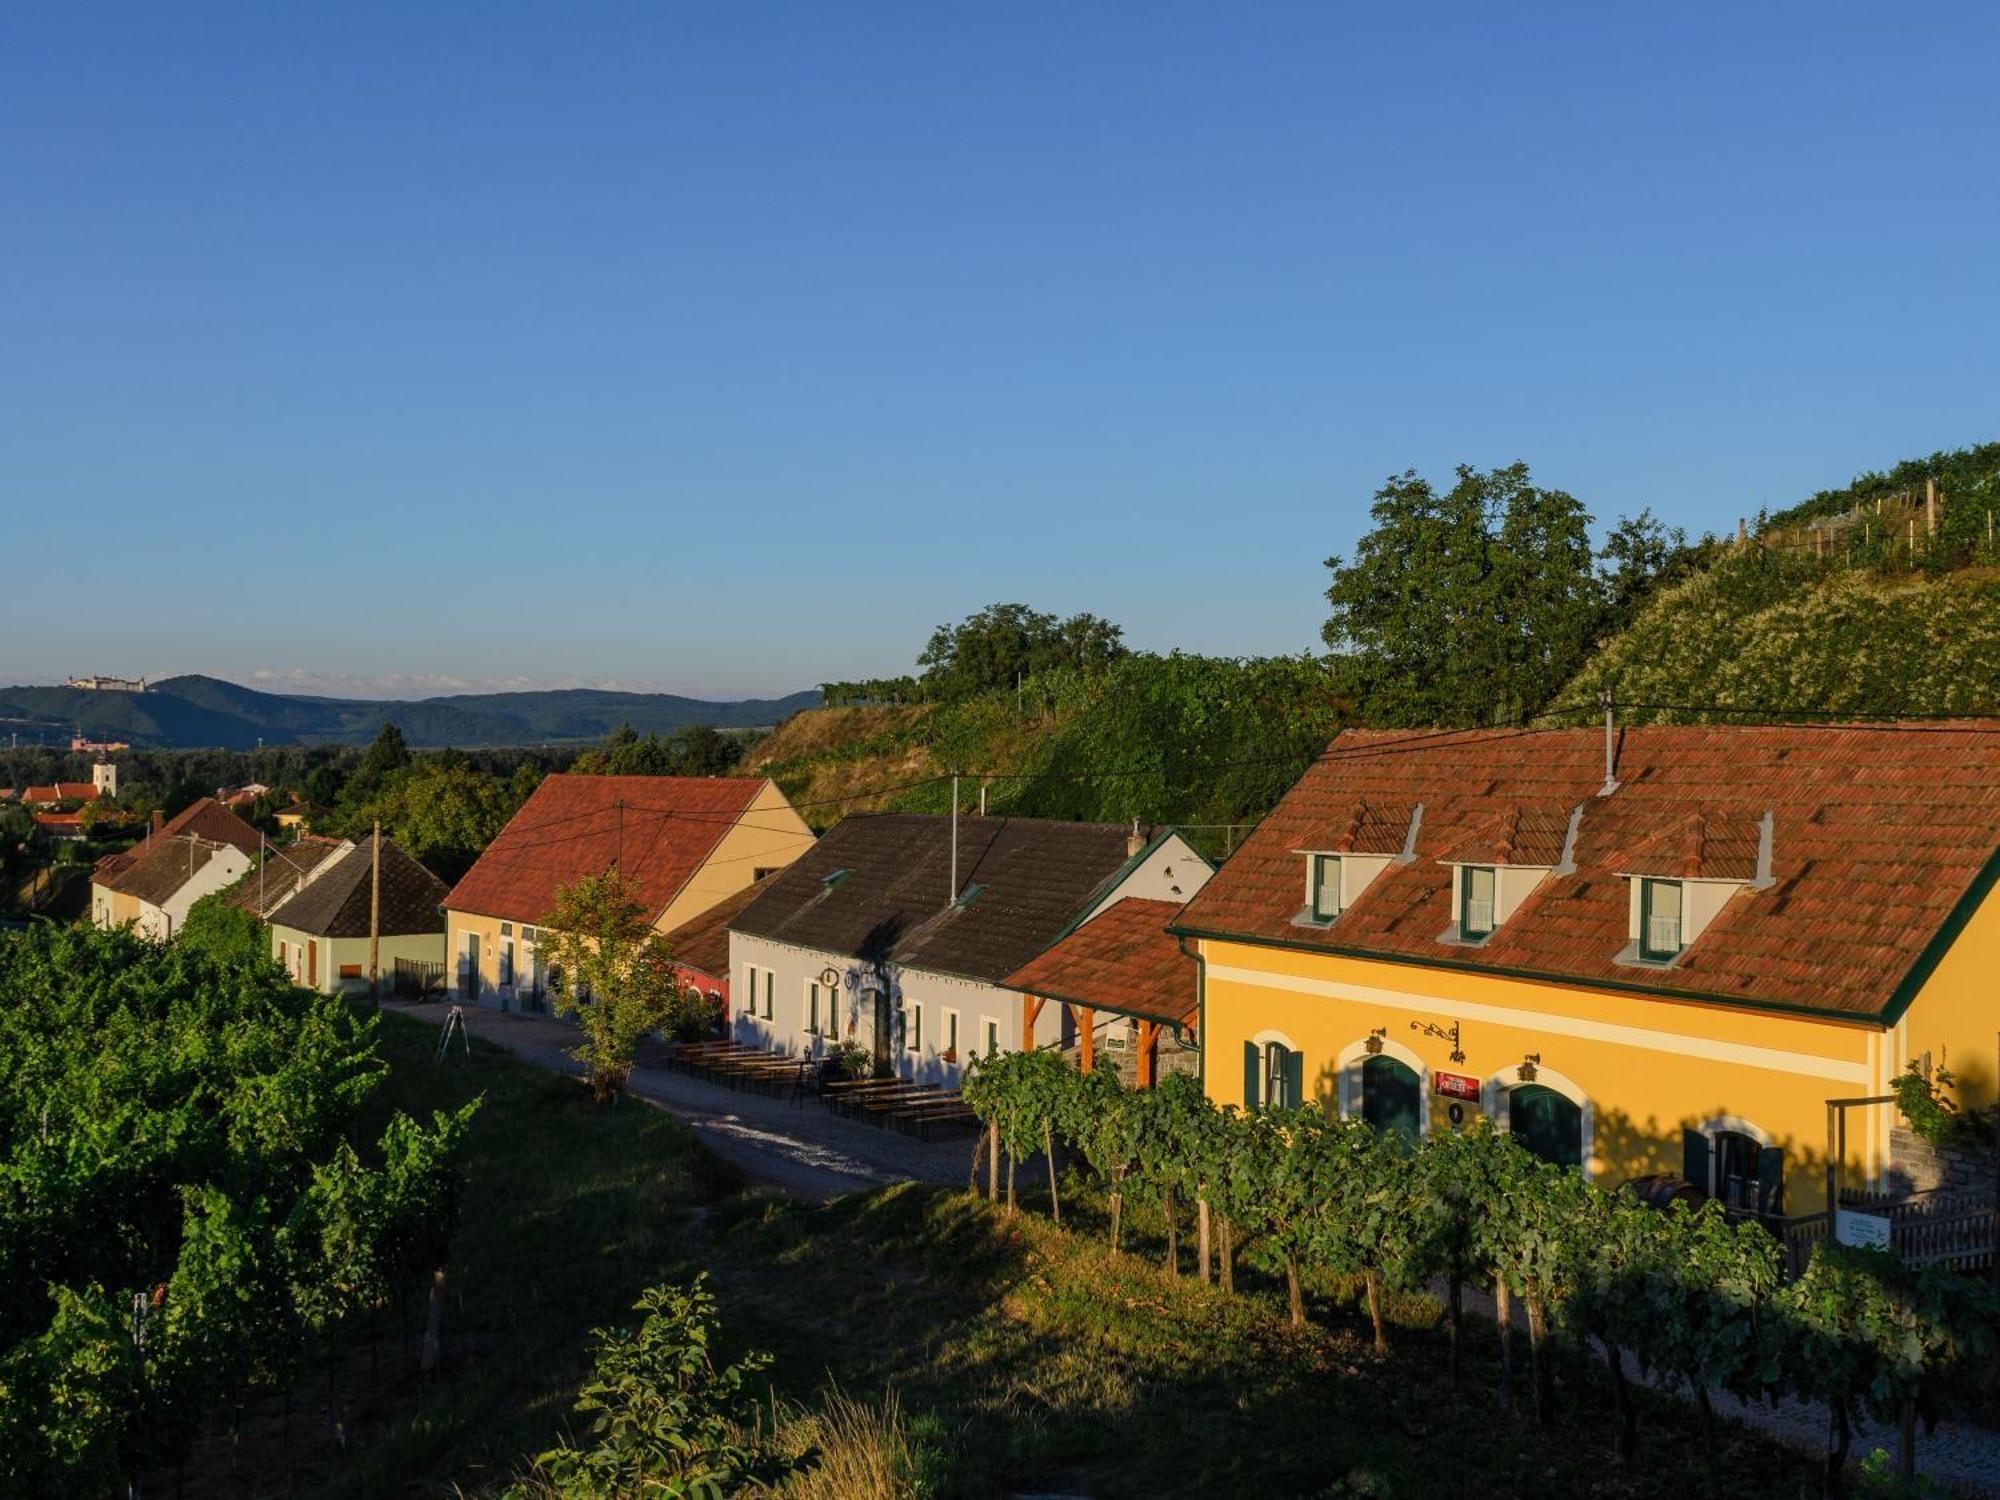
[(1545, 1111), (1546, 1123), (1386, 1084), (1392, 1096)]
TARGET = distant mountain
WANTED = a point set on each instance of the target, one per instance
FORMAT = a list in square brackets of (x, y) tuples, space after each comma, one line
[(195, 711)]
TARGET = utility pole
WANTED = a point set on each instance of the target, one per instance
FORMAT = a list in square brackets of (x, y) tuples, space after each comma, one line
[(375, 919), (954, 837), (263, 858)]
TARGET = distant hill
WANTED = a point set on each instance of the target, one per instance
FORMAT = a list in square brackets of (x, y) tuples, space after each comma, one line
[(195, 711)]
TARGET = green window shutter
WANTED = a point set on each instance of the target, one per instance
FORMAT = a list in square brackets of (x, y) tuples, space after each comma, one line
[(1695, 1160), (1295, 1078), (1251, 1069), (1770, 1180)]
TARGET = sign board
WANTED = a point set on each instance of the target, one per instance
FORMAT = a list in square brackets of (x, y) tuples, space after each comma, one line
[(1455, 1086), (1870, 1231)]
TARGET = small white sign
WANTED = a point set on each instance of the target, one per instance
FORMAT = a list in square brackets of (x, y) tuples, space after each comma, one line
[(1869, 1231)]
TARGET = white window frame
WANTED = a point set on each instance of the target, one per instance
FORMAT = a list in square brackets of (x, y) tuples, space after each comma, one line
[(948, 1032), (1494, 1098), (989, 1031), (913, 1028), (1347, 1074)]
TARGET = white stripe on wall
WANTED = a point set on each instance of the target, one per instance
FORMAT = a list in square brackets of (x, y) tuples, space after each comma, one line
[(1772, 1059)]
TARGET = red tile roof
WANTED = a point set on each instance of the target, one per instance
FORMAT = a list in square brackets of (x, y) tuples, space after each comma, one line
[(203, 818), (1883, 837), (1124, 960), (658, 830), (61, 791)]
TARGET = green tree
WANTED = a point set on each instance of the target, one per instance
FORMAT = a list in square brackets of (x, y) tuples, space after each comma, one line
[(1002, 644), (1471, 606), (443, 812), (664, 1418), (224, 931), (609, 969)]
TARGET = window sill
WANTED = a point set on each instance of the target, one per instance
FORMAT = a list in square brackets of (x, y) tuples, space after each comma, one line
[(1304, 918), (1629, 957), (1452, 938)]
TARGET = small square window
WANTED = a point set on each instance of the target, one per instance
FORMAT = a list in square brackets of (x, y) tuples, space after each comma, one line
[(1660, 927), (1475, 905)]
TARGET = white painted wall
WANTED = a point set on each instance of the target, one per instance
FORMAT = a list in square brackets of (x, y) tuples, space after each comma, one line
[(225, 867)]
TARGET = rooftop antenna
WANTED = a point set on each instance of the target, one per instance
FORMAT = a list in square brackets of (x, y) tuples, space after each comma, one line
[(1610, 749)]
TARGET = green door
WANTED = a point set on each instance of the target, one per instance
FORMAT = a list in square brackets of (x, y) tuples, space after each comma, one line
[(1547, 1124), (1391, 1096)]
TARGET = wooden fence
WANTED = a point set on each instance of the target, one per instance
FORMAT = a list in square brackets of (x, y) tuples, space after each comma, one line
[(416, 979)]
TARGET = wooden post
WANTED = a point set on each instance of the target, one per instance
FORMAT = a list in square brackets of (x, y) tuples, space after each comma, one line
[(1086, 1028), (1031, 1010), (1049, 1151), (1930, 507), (1149, 1041), (375, 916)]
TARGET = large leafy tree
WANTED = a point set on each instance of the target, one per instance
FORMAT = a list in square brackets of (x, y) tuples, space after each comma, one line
[(610, 970), (1004, 643), (1474, 604)]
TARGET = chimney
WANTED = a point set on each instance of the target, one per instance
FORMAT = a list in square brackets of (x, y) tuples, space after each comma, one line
[(1135, 841), (159, 822)]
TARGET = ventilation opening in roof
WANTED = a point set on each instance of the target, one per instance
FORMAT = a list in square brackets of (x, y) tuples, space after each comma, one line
[(833, 878), (969, 895)]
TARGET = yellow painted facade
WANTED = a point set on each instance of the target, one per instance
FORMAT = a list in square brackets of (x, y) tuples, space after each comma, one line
[(1643, 1069), (319, 961)]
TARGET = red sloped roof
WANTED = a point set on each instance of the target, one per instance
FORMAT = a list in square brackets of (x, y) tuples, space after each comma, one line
[(1879, 833), (658, 830), (1124, 960), (211, 820), (62, 791)]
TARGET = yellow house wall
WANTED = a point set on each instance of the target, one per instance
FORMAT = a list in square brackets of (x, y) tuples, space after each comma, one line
[(1650, 1068), (769, 836), (1956, 1014), (457, 925), (335, 952)]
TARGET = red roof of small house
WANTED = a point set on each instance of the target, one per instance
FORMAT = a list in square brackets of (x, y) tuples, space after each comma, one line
[(55, 821), (61, 791), (1884, 838), (658, 830), (1123, 960)]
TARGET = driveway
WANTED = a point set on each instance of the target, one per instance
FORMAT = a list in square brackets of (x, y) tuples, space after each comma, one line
[(802, 1148)]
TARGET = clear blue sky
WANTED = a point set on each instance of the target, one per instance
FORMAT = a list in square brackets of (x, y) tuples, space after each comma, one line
[(723, 348)]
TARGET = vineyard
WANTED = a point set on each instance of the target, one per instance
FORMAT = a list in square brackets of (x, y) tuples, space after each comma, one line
[(1696, 1298), (187, 1221)]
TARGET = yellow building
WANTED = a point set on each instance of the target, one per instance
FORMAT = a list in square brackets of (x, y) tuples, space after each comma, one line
[(320, 933), (687, 842), (1662, 951)]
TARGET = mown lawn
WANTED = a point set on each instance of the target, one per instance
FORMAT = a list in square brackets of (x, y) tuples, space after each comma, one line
[(1024, 1357)]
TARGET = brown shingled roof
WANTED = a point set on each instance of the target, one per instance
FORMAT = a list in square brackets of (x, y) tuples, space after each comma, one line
[(1123, 960), (160, 867), (1024, 879), (284, 870), (658, 830), (1881, 836), (335, 902)]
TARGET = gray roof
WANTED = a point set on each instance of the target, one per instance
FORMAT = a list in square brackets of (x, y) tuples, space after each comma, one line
[(1022, 882), (284, 870), (334, 903)]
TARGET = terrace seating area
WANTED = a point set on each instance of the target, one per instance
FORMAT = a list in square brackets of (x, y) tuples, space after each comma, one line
[(917, 1109)]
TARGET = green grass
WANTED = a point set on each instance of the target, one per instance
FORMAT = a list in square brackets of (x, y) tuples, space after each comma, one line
[(1024, 1357)]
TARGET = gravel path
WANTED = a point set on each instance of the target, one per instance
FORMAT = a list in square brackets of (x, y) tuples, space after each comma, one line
[(805, 1150), (801, 1148)]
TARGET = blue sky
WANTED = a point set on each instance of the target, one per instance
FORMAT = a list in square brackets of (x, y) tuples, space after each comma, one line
[(725, 348)]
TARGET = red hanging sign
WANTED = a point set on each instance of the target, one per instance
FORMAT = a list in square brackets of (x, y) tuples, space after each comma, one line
[(1455, 1086)]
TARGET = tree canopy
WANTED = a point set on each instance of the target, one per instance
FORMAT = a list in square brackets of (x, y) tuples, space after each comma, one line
[(1003, 643)]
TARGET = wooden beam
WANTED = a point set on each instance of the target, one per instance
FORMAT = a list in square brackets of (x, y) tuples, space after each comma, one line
[(1031, 1010), (1086, 1031), (1149, 1041)]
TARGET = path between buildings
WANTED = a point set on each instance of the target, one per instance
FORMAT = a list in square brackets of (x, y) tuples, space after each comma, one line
[(802, 1148), (806, 1150)]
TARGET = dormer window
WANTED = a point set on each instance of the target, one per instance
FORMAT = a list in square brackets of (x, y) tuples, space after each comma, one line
[(1477, 899), (1325, 896), (1661, 904)]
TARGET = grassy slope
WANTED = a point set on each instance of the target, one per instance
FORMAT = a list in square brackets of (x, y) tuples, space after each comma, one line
[(1796, 638), (1024, 1357)]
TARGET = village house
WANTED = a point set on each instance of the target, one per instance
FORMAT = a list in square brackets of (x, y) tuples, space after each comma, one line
[(1656, 951), (701, 947), (899, 933), (116, 898), (280, 874), (685, 843), (320, 933), (164, 877), (57, 793)]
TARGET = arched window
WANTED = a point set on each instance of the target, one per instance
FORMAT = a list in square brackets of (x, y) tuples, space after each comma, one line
[(1736, 1162), (1273, 1072)]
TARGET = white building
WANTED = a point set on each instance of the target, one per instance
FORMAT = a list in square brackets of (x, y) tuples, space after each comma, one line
[(884, 937)]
